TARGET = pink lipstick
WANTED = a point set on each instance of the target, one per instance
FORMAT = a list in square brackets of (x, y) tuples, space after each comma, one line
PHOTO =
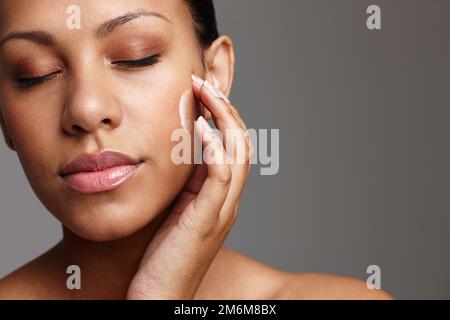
[(92, 173)]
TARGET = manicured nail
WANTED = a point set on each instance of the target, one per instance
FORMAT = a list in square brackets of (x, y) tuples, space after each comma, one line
[(212, 89), (197, 80), (216, 92), (204, 124)]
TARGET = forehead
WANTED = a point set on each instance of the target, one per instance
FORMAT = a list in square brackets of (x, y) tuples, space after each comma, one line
[(17, 15)]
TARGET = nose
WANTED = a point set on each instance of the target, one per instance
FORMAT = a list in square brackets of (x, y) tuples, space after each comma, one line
[(90, 104)]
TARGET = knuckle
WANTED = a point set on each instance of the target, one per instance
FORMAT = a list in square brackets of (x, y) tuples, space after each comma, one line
[(230, 220), (208, 231), (224, 177)]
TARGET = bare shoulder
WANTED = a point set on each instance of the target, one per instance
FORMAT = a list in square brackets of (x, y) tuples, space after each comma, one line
[(17, 284), (26, 282), (320, 286), (235, 276)]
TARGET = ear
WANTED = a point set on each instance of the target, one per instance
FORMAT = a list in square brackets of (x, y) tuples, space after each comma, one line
[(220, 60), (6, 136)]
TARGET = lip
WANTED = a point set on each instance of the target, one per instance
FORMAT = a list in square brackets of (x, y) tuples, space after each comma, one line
[(99, 172)]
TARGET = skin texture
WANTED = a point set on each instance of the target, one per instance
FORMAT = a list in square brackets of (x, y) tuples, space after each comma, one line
[(161, 235)]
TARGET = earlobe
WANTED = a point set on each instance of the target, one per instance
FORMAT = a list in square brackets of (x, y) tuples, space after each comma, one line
[(6, 136)]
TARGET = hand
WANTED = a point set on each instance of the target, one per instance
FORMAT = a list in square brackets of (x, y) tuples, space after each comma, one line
[(178, 257)]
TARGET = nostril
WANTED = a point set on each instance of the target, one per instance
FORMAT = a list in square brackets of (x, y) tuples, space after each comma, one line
[(77, 128), (106, 121)]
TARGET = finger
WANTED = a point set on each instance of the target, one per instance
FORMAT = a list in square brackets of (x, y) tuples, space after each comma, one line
[(246, 134), (197, 179), (220, 111), (204, 210), (240, 120), (190, 191), (226, 119), (245, 131), (219, 94)]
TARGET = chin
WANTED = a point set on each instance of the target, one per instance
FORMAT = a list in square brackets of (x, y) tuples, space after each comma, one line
[(112, 215), (110, 222), (116, 214)]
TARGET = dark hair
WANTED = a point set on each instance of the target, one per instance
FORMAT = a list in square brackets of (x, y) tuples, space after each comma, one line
[(205, 23)]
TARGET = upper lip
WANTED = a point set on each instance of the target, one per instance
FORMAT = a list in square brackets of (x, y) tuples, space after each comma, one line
[(87, 162)]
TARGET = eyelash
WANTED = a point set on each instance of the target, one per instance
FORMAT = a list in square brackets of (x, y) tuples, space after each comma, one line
[(148, 61), (24, 83)]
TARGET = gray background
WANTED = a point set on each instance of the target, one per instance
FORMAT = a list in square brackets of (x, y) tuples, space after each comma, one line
[(364, 165)]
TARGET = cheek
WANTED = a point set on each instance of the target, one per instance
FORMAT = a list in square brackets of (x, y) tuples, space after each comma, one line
[(155, 109), (152, 114), (34, 128)]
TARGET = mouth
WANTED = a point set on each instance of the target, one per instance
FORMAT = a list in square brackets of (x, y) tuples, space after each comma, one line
[(93, 173)]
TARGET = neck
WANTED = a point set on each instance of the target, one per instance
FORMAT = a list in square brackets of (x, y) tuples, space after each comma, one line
[(108, 267)]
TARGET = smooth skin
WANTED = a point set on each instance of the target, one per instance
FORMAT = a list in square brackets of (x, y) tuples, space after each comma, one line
[(161, 235)]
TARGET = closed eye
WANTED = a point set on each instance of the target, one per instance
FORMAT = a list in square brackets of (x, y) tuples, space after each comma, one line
[(24, 83), (148, 61)]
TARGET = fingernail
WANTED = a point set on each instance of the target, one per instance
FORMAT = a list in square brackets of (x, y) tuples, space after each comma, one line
[(212, 89), (197, 80), (204, 124), (216, 92)]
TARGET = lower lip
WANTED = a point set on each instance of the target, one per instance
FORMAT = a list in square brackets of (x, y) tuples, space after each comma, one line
[(100, 181)]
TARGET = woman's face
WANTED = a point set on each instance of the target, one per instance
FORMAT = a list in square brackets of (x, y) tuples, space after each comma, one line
[(95, 98)]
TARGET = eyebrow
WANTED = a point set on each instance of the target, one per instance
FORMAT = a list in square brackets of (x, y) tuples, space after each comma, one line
[(39, 37), (46, 39), (105, 28)]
